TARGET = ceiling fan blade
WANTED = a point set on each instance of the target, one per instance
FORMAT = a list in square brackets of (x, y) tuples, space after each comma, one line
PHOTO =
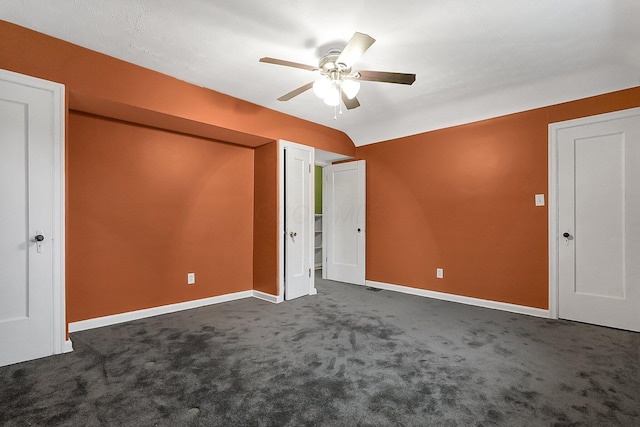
[(287, 63), (358, 45), (383, 76), (296, 92), (350, 103)]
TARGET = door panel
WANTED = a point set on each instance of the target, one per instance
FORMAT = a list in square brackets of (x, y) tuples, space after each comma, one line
[(298, 221), (344, 206), (13, 211), (26, 208), (600, 216), (345, 216), (599, 209)]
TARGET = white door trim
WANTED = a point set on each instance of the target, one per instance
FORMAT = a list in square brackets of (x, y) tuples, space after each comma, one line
[(60, 342), (554, 128), (282, 144)]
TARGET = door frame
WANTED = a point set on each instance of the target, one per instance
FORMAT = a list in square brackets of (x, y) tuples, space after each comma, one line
[(61, 344), (282, 145), (554, 232)]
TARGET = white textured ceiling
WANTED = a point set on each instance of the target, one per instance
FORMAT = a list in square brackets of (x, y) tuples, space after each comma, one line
[(474, 59)]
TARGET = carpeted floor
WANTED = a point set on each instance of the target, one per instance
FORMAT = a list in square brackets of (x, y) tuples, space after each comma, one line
[(346, 357)]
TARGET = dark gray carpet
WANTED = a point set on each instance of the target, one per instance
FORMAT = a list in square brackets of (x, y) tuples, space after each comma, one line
[(346, 357)]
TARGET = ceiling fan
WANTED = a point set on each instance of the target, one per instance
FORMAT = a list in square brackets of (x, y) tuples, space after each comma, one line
[(338, 81)]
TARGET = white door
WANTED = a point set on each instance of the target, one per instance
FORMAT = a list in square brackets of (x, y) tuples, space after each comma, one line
[(344, 222), (598, 233), (30, 189), (299, 213)]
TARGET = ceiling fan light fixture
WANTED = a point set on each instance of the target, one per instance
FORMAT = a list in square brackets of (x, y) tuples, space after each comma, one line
[(333, 96), (350, 88), (322, 87)]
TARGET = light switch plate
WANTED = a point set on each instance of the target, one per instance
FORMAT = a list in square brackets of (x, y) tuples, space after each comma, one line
[(539, 199)]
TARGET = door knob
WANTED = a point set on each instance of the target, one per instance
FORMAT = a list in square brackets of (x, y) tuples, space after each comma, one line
[(293, 234), (566, 235), (39, 238)]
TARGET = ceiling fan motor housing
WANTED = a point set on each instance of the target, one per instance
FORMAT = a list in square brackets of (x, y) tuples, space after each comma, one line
[(330, 67)]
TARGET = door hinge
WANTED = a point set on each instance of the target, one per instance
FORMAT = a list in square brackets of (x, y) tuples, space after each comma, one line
[(309, 273), (309, 167)]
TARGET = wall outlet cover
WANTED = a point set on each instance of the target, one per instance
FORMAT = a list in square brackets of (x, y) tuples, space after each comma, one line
[(191, 278), (439, 273)]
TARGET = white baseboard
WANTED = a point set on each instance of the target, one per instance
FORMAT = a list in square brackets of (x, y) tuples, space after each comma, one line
[(513, 308), (276, 299), (155, 311), (67, 346)]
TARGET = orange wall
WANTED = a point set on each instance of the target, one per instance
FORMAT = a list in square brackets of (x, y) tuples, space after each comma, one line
[(459, 198), (99, 78), (149, 230), (462, 199), (265, 252), (145, 207)]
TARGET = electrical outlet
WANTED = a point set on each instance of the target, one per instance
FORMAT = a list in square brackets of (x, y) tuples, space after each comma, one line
[(439, 273), (191, 278), (539, 199)]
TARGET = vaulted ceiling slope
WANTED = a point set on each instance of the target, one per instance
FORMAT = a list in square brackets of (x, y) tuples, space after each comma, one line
[(473, 59)]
